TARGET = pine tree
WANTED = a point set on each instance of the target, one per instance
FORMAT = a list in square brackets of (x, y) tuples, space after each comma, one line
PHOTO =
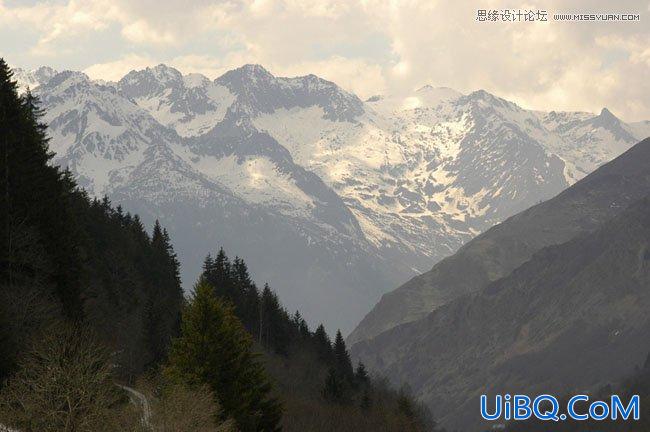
[(323, 344), (275, 322), (405, 405), (173, 264), (208, 265), (165, 296), (361, 375), (156, 234), (221, 276), (263, 324), (247, 298), (333, 390), (300, 325), (366, 399), (36, 198), (215, 349), (342, 362)]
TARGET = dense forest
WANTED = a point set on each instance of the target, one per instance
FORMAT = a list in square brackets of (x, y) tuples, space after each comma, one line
[(314, 377), (93, 321), (65, 257)]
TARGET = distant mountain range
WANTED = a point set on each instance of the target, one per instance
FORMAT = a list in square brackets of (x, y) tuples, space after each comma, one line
[(555, 299), (332, 200)]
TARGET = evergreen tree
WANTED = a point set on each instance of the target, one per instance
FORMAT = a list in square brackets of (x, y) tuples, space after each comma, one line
[(300, 325), (342, 362), (215, 349), (323, 344), (405, 405), (173, 265), (164, 300), (208, 265), (221, 276), (246, 298), (361, 375), (333, 390), (36, 198), (274, 322)]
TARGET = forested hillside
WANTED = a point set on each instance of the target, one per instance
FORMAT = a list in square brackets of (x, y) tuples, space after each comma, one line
[(314, 377), (65, 257), (91, 303)]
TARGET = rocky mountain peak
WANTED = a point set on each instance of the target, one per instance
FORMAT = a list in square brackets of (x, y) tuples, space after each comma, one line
[(67, 79), (395, 184), (165, 73), (608, 121), (32, 79), (606, 118), (484, 97), (195, 80), (247, 76), (149, 81)]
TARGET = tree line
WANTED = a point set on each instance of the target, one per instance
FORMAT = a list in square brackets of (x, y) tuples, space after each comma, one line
[(90, 299), (67, 257), (288, 338)]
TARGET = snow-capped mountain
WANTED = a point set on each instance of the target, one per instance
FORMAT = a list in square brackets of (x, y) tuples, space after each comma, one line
[(190, 104), (30, 79), (333, 200), (588, 141), (96, 132), (232, 186)]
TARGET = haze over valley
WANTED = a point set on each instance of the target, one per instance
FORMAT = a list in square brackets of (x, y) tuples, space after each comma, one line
[(333, 200)]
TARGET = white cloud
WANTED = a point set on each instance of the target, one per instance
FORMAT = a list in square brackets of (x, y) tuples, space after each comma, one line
[(141, 32), (113, 71), (363, 78), (368, 46)]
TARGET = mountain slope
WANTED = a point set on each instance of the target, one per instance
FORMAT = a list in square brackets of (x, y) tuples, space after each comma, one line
[(590, 141), (190, 104), (573, 318), (95, 132), (495, 253), (423, 180), (238, 184), (33, 78), (372, 192)]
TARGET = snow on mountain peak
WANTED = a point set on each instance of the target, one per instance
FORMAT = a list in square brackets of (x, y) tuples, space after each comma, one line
[(190, 104), (484, 97), (258, 92), (33, 78), (195, 80), (165, 74), (247, 76), (425, 97), (66, 80), (149, 81), (404, 179)]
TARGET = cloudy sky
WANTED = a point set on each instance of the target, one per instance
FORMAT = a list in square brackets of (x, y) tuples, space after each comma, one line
[(367, 46)]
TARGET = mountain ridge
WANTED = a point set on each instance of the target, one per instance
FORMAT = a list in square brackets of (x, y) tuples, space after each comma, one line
[(403, 183), (560, 323), (505, 246)]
